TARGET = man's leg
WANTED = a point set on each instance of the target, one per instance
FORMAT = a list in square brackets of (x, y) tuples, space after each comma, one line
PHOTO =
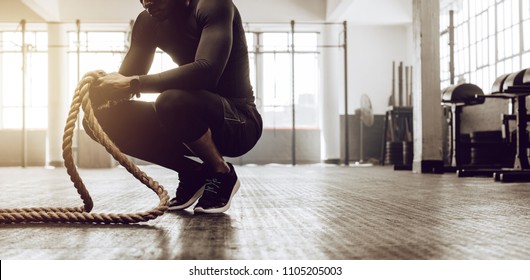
[(191, 117), (134, 127), (205, 148)]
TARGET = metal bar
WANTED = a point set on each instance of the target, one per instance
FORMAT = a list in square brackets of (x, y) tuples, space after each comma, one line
[(400, 84), (451, 47), (122, 22), (346, 126), (298, 23), (293, 97), (24, 70), (393, 97), (521, 159), (78, 56)]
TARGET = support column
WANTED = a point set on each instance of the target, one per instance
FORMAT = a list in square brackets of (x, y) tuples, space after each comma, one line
[(428, 116), (57, 91), (331, 91)]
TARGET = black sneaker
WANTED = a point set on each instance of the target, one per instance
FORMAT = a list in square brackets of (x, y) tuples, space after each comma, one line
[(218, 192), (191, 187)]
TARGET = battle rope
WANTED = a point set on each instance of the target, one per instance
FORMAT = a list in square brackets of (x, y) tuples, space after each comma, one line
[(81, 214)]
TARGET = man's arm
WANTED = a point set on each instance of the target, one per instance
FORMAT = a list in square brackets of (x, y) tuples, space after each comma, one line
[(216, 17), (137, 61), (140, 55)]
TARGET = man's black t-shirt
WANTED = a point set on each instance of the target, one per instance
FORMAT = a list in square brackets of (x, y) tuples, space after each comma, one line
[(206, 40)]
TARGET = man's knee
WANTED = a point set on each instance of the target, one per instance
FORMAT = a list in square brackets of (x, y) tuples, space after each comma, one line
[(174, 103)]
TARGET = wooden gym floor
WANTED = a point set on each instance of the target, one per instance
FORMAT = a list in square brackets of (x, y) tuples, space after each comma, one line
[(281, 212)]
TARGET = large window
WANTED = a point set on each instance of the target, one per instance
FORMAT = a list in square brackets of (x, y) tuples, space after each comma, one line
[(98, 50), (272, 60), (489, 40), (271, 69), (12, 84)]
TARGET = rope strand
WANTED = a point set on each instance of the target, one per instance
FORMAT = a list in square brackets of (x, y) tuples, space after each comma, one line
[(81, 214)]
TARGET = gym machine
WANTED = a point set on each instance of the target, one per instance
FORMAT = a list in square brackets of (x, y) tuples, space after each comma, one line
[(516, 87), (454, 98)]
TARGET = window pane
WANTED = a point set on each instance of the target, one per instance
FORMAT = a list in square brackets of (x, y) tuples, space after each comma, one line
[(250, 41), (305, 41), (508, 43), (473, 27), (41, 41), (105, 41), (526, 9), (37, 87), (500, 17), (516, 64), (491, 50), (277, 90), (491, 21), (500, 45), (36, 98), (515, 39), (12, 117), (12, 79), (252, 64), (515, 11), (473, 7), (508, 20), (465, 35), (276, 42), (473, 56), (480, 54), (11, 41), (508, 66), (526, 60), (37, 117), (479, 78), (73, 43), (500, 68), (483, 29), (306, 86), (526, 32)]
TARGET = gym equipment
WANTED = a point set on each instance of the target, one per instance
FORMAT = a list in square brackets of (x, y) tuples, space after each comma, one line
[(81, 214), (366, 119), (398, 129), (516, 87), (455, 98), (397, 148)]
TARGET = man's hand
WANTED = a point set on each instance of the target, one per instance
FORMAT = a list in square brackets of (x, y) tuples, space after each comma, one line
[(115, 86)]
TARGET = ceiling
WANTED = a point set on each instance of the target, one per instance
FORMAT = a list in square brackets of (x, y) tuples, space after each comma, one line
[(379, 12)]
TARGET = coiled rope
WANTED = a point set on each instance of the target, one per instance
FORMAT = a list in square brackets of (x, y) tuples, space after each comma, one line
[(81, 214)]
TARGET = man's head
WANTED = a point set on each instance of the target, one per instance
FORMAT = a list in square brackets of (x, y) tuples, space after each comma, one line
[(160, 9)]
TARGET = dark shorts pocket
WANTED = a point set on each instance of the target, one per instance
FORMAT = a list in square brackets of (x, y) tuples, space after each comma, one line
[(240, 131)]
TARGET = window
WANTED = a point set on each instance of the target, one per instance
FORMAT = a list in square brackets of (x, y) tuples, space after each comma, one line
[(270, 71), (270, 61), (11, 80), (488, 40), (97, 51), (271, 57)]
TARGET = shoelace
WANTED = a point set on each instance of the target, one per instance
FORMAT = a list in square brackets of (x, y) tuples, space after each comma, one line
[(212, 185)]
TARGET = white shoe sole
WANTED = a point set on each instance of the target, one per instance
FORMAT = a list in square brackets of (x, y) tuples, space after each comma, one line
[(222, 209), (192, 200)]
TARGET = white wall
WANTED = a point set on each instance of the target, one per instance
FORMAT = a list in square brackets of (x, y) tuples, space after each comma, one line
[(11, 148), (379, 12), (125, 10), (371, 52), (15, 10), (281, 10), (379, 32)]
